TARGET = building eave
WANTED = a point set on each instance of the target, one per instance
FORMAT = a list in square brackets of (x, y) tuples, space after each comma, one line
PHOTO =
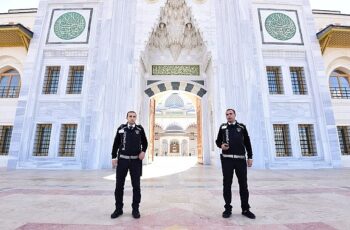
[(15, 35), (334, 36)]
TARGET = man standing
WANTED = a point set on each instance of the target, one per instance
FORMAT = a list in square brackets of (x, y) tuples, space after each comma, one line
[(234, 141), (130, 145)]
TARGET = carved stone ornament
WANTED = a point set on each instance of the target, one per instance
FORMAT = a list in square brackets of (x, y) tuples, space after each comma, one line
[(175, 29)]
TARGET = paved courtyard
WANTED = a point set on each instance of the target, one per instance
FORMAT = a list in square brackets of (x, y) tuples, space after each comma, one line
[(187, 197)]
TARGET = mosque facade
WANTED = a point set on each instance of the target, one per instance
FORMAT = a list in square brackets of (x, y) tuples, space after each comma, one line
[(71, 70)]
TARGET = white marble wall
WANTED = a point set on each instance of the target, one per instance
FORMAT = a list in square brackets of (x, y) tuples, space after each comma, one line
[(323, 20), (338, 58), (33, 107), (114, 82), (10, 57), (238, 73), (315, 108), (24, 18)]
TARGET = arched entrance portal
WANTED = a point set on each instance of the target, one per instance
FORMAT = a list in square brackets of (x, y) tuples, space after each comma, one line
[(176, 64), (175, 126)]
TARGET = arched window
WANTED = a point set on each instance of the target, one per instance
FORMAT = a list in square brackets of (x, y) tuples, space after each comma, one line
[(10, 84), (339, 85)]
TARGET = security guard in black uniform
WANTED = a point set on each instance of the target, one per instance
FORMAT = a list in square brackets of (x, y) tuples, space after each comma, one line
[(234, 141), (130, 145)]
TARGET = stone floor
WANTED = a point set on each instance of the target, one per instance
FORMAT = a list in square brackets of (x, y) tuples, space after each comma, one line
[(190, 198)]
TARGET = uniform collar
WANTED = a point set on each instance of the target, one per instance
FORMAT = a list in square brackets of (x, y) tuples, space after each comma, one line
[(233, 123), (132, 126)]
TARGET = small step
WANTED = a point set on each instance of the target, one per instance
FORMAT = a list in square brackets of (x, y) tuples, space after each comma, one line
[(54, 165), (300, 165)]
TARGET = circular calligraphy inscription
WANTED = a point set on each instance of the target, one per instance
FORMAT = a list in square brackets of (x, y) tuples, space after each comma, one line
[(280, 26), (69, 26)]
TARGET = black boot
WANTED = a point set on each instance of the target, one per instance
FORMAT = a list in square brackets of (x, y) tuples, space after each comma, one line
[(136, 213), (227, 213), (248, 214), (116, 213)]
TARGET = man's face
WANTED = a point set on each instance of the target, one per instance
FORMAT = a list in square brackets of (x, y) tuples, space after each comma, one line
[(131, 118), (230, 116)]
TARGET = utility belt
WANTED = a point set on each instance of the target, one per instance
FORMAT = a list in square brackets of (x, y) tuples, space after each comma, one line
[(128, 157), (233, 156)]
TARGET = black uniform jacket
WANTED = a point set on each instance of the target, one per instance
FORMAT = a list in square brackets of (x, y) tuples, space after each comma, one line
[(129, 142), (236, 136)]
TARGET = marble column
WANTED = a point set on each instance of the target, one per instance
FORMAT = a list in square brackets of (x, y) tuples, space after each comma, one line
[(113, 96), (237, 73)]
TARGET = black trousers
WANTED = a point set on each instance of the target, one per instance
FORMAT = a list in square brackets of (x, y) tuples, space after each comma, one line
[(135, 168), (229, 166)]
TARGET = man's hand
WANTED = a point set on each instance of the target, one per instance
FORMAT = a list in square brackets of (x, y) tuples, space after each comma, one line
[(114, 163), (250, 162), (142, 155), (224, 147)]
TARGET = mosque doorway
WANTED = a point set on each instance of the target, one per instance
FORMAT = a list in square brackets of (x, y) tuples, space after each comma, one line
[(175, 127)]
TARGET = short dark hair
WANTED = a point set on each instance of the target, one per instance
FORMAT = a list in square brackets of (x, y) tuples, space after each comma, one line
[(231, 110), (129, 112)]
